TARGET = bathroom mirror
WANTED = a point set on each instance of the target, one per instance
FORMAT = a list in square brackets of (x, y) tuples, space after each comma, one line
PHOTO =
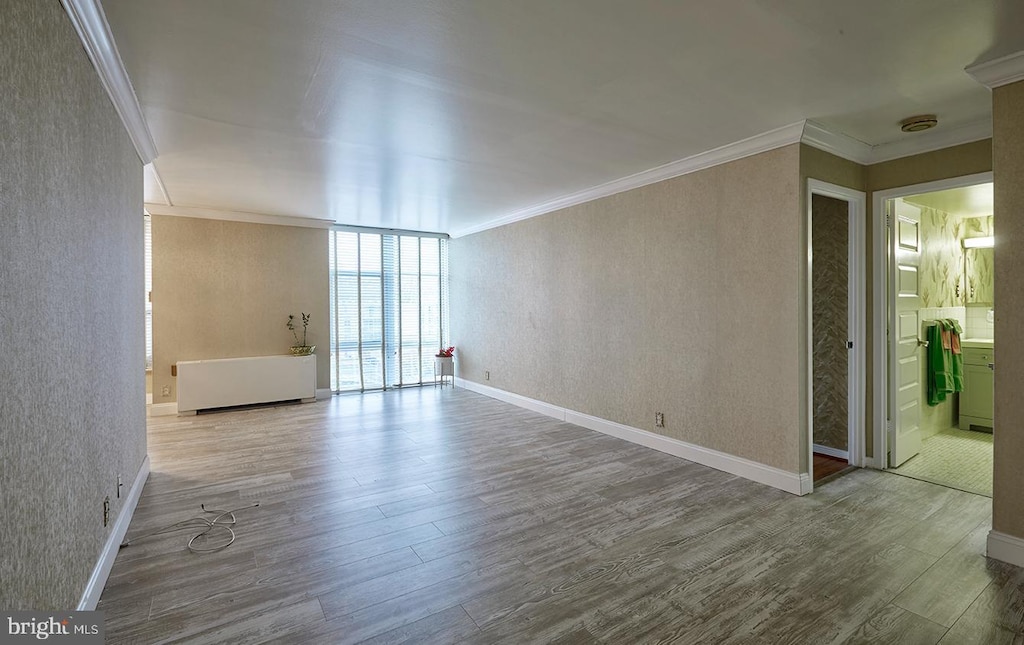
[(978, 282)]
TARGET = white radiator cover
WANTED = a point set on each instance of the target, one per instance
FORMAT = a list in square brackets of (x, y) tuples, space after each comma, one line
[(225, 382)]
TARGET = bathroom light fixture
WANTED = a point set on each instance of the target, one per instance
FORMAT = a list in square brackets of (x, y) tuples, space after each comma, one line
[(919, 123), (979, 242)]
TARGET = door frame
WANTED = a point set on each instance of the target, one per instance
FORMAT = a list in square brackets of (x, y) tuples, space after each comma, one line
[(882, 283), (856, 305)]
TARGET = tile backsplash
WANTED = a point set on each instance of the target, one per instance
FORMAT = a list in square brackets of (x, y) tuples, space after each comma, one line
[(978, 323), (927, 314)]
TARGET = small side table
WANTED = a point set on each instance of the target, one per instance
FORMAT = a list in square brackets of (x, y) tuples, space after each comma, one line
[(444, 366)]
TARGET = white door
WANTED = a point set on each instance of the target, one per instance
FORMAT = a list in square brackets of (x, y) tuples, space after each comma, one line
[(905, 353)]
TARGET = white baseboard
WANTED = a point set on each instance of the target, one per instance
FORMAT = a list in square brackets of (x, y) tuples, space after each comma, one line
[(162, 409), (796, 483), (806, 484), (98, 579), (515, 399), (832, 452), (1006, 548), (323, 393)]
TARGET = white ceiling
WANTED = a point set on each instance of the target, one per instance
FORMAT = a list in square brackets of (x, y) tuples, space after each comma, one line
[(441, 115)]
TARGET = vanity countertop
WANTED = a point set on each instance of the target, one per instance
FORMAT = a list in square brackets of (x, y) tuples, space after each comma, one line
[(981, 343)]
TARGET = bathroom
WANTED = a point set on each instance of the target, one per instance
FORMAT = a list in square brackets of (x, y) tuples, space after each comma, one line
[(955, 281)]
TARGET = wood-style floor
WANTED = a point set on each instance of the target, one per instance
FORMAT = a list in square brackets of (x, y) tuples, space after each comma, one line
[(430, 516), (826, 466)]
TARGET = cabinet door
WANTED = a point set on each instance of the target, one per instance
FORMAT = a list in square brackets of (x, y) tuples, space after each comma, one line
[(976, 399)]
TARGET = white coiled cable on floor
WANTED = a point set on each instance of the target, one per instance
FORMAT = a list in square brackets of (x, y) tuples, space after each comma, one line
[(208, 526)]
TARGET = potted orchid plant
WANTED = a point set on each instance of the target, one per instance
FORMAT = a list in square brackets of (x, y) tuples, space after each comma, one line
[(301, 347)]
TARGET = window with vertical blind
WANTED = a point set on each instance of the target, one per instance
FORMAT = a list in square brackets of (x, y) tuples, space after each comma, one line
[(148, 241), (389, 308)]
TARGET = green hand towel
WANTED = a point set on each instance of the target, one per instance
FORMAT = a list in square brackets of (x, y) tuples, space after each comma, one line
[(956, 361), (940, 378)]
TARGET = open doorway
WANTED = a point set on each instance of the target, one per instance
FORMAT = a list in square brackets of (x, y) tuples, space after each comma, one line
[(836, 304), (939, 315)]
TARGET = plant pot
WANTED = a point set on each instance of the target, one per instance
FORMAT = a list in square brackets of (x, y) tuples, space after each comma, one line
[(302, 350)]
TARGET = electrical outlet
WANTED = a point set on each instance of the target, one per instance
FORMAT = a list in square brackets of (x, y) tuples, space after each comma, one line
[(166, 391), (119, 486), (659, 420), (106, 510), (487, 375)]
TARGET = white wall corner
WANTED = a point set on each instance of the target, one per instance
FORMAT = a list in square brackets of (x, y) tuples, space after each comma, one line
[(91, 24), (837, 143), (795, 483), (162, 409), (1006, 548), (998, 72), (806, 484), (151, 177), (100, 573), (323, 393)]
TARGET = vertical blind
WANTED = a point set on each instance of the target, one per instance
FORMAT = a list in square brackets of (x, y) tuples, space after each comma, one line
[(148, 242), (389, 308)]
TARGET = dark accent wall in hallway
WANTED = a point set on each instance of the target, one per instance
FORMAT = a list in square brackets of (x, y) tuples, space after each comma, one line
[(830, 221)]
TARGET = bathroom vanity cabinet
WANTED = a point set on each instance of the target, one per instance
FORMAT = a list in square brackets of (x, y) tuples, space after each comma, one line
[(976, 399)]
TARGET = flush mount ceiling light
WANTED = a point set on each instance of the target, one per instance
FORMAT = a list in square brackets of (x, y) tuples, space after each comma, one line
[(919, 123)]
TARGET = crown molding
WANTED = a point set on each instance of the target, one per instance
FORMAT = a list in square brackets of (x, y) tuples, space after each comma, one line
[(810, 132), (841, 145), (770, 140), (237, 216), (91, 24), (158, 181), (998, 72), (920, 142)]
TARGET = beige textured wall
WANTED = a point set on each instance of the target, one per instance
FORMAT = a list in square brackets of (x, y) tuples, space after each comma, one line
[(72, 390), (1008, 168), (955, 161), (225, 289), (825, 166), (682, 297)]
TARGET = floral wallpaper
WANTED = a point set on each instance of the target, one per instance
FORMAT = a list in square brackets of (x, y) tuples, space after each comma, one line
[(942, 259), (945, 265)]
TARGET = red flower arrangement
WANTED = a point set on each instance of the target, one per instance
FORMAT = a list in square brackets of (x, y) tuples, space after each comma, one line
[(446, 353)]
